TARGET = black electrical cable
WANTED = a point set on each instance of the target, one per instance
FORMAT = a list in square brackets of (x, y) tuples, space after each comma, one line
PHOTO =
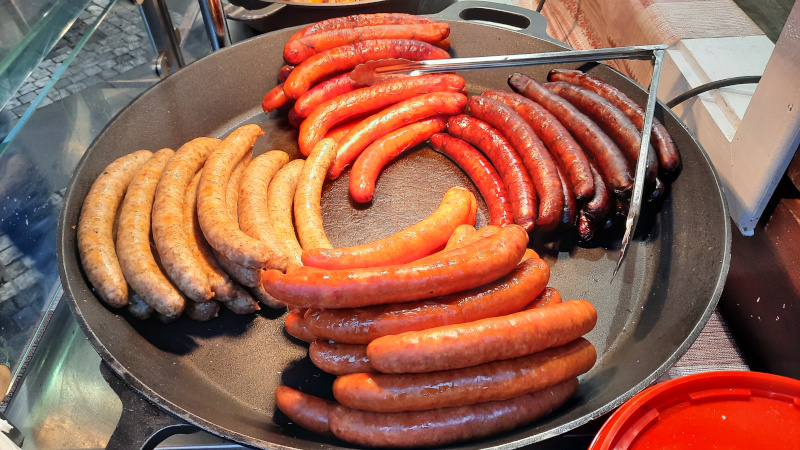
[(711, 86)]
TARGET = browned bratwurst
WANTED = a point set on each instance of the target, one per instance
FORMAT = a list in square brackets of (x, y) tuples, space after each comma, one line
[(96, 224), (280, 198)]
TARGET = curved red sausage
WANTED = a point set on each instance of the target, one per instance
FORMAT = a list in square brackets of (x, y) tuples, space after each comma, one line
[(570, 212), (375, 157), (481, 172), (539, 162), (506, 160), (274, 99), (284, 72), (360, 20), (308, 411), (493, 339), (324, 91), (599, 206), (339, 359), (295, 325)]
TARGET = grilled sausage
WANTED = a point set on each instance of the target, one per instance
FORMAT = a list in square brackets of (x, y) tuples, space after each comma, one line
[(169, 228), (308, 411), (612, 120), (253, 203), (506, 160), (537, 160), (138, 308), (416, 241), (452, 271), (307, 209), (344, 58), (274, 99), (324, 91), (295, 325), (284, 72), (223, 233), (298, 50), (133, 240), (369, 99), (360, 20), (549, 296), (339, 359), (280, 197), (96, 224), (498, 380), (668, 157), (378, 154), (506, 295), (599, 206), (570, 212), (263, 296), (202, 312), (481, 172), (459, 235), (610, 160), (341, 131), (392, 118), (555, 137), (481, 341), (232, 192), (436, 427)]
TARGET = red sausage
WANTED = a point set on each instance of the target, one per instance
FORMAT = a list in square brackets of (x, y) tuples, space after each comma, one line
[(341, 59), (284, 72), (506, 160), (481, 172), (540, 164), (669, 159), (392, 118), (295, 119), (612, 120), (599, 206), (275, 98), (361, 101), (360, 20), (549, 296), (339, 359), (375, 157), (295, 325), (308, 411), (321, 93), (570, 155), (570, 213), (298, 50), (498, 380), (341, 131), (416, 241), (609, 157), (427, 429), (506, 295), (493, 339), (452, 271)]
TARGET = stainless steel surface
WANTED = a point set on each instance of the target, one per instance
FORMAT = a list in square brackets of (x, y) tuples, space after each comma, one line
[(163, 36), (641, 164), (216, 23)]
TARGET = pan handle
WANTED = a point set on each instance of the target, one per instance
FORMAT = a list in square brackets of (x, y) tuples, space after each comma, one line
[(516, 18), (142, 425)]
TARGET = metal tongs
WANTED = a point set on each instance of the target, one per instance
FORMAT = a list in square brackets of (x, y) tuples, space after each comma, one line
[(376, 71)]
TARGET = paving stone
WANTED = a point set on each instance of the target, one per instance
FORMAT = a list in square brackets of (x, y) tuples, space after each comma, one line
[(107, 64), (45, 102), (27, 98), (93, 70), (25, 88), (76, 78), (92, 80), (108, 74), (131, 38), (8, 255), (41, 82), (120, 51), (7, 292), (39, 73), (77, 87), (19, 110), (46, 63), (28, 261), (62, 83), (25, 317), (124, 68), (15, 269), (12, 103), (26, 279)]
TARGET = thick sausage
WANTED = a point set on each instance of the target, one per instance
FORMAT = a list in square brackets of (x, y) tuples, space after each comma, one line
[(344, 58), (223, 233), (202, 312), (459, 235), (570, 213), (392, 118), (339, 359), (506, 160), (96, 224), (169, 231), (556, 138), (280, 197), (284, 72), (253, 203), (378, 154), (133, 240), (481, 341), (369, 99), (549, 296), (437, 427), (274, 99), (498, 380), (341, 131), (668, 157), (452, 271), (295, 325), (324, 91), (298, 50), (416, 241), (538, 161), (612, 120), (360, 20), (506, 295), (232, 192), (264, 297), (139, 308), (294, 119), (599, 206), (225, 290), (612, 163), (481, 172), (244, 275), (308, 411), (307, 209)]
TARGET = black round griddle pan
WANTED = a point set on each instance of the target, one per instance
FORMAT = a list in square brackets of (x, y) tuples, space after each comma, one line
[(222, 375)]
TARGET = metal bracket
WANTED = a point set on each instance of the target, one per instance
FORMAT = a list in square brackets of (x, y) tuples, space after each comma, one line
[(166, 44)]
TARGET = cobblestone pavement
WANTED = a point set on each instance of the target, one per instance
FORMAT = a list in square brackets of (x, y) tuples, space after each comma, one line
[(119, 44)]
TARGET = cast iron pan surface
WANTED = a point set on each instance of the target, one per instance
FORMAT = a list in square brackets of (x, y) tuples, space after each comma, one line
[(222, 375)]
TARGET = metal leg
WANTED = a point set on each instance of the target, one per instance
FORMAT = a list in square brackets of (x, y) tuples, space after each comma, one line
[(162, 36), (215, 23)]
